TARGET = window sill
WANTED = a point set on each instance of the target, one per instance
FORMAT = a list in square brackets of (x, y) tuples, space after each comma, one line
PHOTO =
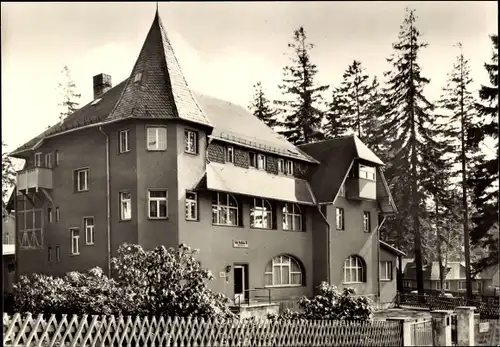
[(353, 283), (125, 220), (156, 150), (294, 231), (284, 286), (266, 229), (157, 218), (385, 280), (227, 225), (89, 244), (191, 153), (74, 254), (82, 191), (340, 229), (124, 152), (192, 220)]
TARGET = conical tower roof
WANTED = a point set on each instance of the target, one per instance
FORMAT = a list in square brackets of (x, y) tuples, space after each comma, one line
[(156, 87)]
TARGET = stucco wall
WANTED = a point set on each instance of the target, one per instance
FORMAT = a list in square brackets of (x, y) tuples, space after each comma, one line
[(388, 289)]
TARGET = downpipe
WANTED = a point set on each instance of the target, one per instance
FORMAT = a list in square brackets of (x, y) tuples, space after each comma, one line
[(378, 259), (108, 203), (328, 242)]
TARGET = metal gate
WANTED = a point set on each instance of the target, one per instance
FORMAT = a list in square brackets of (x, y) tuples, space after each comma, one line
[(421, 333)]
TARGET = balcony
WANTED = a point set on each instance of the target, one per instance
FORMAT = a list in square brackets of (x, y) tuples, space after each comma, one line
[(361, 189), (34, 178)]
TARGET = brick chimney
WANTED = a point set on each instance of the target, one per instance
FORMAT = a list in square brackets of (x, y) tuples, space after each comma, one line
[(102, 83)]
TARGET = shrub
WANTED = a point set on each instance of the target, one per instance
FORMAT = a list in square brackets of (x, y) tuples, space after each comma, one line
[(331, 304)]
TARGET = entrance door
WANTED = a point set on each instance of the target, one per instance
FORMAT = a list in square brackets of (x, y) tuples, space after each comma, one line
[(240, 283)]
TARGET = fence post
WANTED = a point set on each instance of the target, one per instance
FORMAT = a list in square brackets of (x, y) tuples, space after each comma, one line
[(405, 323), (441, 327), (465, 326)]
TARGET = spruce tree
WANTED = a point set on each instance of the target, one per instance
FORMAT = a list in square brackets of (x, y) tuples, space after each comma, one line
[(375, 115), (67, 89), (261, 107), (336, 122), (356, 93), (484, 176), (8, 175), (408, 126), (302, 108)]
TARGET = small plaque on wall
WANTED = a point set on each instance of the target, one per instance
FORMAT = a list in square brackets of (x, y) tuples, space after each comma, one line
[(240, 244)]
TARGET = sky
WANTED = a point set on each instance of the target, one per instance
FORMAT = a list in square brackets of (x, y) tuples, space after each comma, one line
[(223, 48)]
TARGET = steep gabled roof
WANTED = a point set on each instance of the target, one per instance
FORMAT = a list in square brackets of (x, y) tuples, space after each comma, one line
[(391, 249), (156, 87), (233, 123)]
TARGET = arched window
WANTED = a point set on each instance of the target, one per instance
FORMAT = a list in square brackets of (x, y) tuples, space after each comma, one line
[(292, 217), (261, 214), (354, 270), (283, 271), (224, 209)]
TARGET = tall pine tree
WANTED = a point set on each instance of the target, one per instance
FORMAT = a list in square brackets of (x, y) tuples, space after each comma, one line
[(67, 89), (261, 107), (408, 126), (375, 115), (484, 176), (336, 122), (356, 93), (302, 109)]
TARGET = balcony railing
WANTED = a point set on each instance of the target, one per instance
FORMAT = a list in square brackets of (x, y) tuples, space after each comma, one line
[(34, 178), (361, 189)]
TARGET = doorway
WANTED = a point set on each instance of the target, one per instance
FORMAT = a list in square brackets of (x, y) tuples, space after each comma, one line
[(240, 283)]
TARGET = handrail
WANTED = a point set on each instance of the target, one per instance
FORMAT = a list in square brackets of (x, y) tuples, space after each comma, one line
[(250, 290)]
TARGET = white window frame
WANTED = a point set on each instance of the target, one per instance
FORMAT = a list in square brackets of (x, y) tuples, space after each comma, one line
[(367, 222), (191, 205), (445, 283), (479, 286), (48, 160), (354, 265), (261, 208), (261, 161), (38, 159), (75, 241), (223, 204), (367, 172), (252, 163), (284, 263), (157, 145), (125, 203), (339, 218), (229, 154), (57, 157), (190, 139), (58, 254), (58, 214), (462, 285), (407, 284), (86, 182), (281, 166), (386, 271), (49, 214), (158, 201), (289, 168), (294, 211), (89, 230), (124, 140)]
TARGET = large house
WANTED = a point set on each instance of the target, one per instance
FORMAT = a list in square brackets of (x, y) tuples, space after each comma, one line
[(150, 162)]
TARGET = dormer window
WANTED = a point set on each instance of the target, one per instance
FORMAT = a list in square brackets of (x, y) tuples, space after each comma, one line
[(137, 77), (289, 167), (38, 159), (229, 154), (252, 159), (261, 161), (281, 166), (367, 172)]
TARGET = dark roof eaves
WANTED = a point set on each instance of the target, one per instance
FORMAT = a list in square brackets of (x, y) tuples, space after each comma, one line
[(392, 248)]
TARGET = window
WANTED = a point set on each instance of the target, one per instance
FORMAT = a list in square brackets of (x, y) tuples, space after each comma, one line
[(386, 271), (38, 159), (48, 160), (125, 205), (407, 284), (58, 214), (283, 271), (292, 217), (446, 285), (342, 190), (252, 159), (479, 286), (461, 285), (88, 224), (81, 178), (58, 254), (49, 254), (281, 166), (367, 172), (57, 158), (261, 161), (157, 138), (191, 206), (75, 241), (224, 209), (354, 270), (289, 167), (339, 218), (190, 141), (49, 214), (157, 203), (137, 77), (229, 154), (261, 214), (366, 222), (124, 141)]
